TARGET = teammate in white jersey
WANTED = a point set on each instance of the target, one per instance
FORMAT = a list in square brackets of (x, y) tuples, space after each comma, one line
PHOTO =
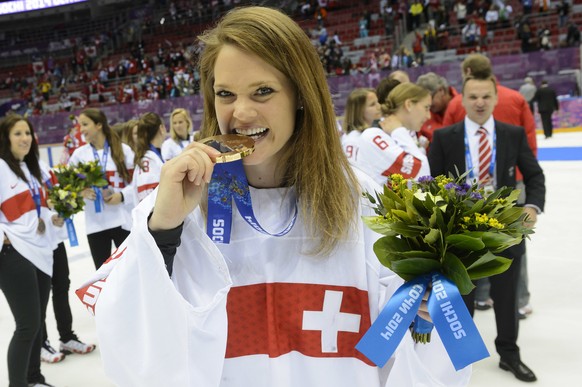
[(107, 211), (380, 152), (151, 133), (26, 256), (263, 310), (362, 110), (180, 129)]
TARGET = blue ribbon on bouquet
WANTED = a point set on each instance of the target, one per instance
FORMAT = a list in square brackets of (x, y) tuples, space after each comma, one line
[(71, 233), (447, 309), (229, 182)]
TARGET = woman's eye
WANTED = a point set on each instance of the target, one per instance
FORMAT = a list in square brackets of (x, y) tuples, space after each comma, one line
[(263, 91), (223, 94)]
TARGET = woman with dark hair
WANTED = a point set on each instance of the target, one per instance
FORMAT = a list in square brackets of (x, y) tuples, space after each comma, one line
[(108, 219), (148, 161), (26, 259)]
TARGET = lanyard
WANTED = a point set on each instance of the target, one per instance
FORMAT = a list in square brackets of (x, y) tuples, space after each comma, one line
[(181, 142), (99, 202), (157, 152), (35, 192), (229, 182), (469, 160)]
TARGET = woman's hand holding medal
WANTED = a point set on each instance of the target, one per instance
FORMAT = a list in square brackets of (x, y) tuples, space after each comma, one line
[(184, 178), (182, 183)]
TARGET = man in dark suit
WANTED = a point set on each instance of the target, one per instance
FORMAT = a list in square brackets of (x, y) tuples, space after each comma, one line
[(456, 148), (547, 101)]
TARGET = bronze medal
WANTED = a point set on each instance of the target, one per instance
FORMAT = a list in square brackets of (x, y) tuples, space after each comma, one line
[(41, 226), (232, 146)]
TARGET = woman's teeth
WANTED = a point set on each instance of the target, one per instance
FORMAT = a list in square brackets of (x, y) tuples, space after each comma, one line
[(254, 133)]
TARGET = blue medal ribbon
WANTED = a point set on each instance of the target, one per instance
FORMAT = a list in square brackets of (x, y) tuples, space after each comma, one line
[(229, 182), (71, 233), (451, 318), (99, 202)]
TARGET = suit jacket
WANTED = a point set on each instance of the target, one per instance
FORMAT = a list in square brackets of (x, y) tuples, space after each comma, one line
[(547, 100), (447, 151)]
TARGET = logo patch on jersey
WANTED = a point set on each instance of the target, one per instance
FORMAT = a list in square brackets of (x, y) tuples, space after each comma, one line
[(315, 320)]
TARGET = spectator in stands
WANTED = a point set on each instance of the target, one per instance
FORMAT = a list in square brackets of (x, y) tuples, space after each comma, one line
[(492, 16), (527, 6), (461, 12), (389, 17), (363, 27), (573, 35), (418, 49), (441, 94), (430, 37), (505, 12), (548, 103), (545, 39), (563, 9), (415, 11), (528, 90), (524, 33), (470, 33)]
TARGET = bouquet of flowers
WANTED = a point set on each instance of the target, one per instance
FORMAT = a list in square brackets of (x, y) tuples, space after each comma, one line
[(445, 233), (446, 225), (65, 198)]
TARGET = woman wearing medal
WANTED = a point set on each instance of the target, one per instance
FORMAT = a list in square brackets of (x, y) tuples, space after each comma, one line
[(180, 129), (108, 210), (26, 257), (297, 285), (148, 161)]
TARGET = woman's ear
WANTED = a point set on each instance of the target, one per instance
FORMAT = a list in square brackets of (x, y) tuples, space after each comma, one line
[(408, 105)]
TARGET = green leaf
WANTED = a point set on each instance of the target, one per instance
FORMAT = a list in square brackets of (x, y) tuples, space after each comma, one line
[(488, 265), (464, 242), (388, 248), (402, 215), (499, 241), (455, 270), (412, 267), (420, 254), (405, 230), (433, 237), (510, 215), (378, 224)]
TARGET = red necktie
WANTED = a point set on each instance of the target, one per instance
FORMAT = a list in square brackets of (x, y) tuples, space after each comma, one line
[(484, 156)]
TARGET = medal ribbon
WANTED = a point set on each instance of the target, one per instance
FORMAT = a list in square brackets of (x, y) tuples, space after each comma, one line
[(99, 203), (447, 309), (229, 182), (34, 189)]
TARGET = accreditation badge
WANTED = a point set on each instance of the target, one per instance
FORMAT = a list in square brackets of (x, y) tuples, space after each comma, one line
[(232, 146)]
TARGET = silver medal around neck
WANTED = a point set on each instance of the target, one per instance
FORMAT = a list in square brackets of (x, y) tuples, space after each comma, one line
[(231, 146)]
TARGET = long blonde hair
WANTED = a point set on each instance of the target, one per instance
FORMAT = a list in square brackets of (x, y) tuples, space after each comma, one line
[(313, 161), (354, 110)]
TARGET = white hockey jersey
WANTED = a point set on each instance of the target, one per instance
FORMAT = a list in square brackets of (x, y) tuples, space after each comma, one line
[(172, 148), (256, 312), (379, 154), (19, 218), (146, 179), (111, 215)]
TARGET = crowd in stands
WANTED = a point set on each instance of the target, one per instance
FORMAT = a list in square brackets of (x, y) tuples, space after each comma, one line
[(145, 71)]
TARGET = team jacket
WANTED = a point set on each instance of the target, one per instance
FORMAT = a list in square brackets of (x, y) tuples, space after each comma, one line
[(146, 179), (256, 312), (111, 216), (171, 148), (379, 154), (19, 219)]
